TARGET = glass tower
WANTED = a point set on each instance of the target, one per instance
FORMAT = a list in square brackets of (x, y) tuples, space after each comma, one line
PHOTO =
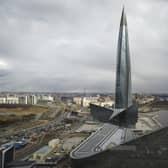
[(123, 73)]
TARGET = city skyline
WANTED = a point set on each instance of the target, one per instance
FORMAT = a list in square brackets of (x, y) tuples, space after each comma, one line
[(68, 46)]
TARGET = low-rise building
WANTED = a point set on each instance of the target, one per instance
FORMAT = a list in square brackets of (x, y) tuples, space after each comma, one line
[(46, 98), (42, 153), (67, 99), (101, 101), (85, 101), (54, 143), (77, 100)]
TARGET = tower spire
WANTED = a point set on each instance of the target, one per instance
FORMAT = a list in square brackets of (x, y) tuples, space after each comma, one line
[(123, 17)]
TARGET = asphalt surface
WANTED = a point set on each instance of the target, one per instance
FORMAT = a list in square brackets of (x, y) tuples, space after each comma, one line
[(99, 141)]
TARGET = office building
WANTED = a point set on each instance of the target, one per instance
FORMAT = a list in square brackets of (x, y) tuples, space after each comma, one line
[(123, 73), (6, 156)]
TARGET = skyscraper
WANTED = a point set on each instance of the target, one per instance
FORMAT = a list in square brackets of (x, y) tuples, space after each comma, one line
[(118, 120), (123, 73)]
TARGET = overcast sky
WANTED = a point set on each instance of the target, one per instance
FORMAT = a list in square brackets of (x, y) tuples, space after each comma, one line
[(69, 45)]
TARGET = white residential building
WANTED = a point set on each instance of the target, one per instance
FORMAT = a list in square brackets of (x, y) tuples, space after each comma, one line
[(2, 100), (12, 100), (32, 99), (47, 98)]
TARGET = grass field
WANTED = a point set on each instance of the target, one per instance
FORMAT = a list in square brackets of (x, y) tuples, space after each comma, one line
[(19, 112)]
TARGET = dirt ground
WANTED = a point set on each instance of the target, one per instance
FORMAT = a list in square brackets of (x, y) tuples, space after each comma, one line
[(18, 113)]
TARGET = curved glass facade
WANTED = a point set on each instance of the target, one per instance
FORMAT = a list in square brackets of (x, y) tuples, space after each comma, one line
[(123, 74)]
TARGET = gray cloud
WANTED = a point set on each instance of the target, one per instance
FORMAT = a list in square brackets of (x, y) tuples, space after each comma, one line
[(68, 45)]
